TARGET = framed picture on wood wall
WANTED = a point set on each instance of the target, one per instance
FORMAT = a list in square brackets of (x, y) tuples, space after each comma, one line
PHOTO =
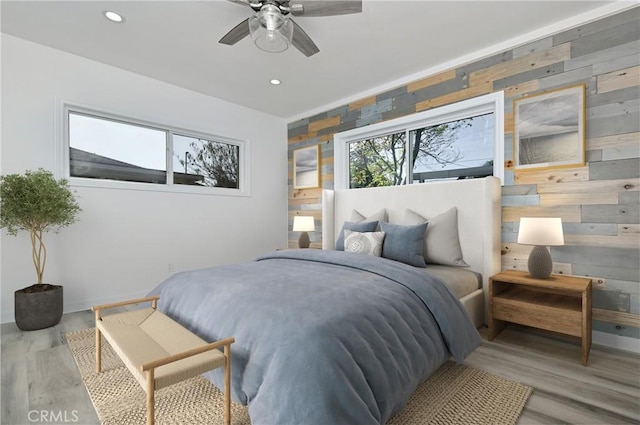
[(306, 167), (549, 129)]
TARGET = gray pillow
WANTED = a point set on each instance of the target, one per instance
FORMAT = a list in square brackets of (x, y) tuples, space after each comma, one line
[(441, 242), (369, 243), (365, 226), (404, 243)]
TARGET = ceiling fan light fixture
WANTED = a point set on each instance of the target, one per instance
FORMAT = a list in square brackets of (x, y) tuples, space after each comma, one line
[(270, 30)]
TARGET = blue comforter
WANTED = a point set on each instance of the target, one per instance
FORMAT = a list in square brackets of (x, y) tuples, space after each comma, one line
[(322, 337)]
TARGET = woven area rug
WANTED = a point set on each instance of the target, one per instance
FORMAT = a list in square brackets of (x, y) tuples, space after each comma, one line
[(454, 394)]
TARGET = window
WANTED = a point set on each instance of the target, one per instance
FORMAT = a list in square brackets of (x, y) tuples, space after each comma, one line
[(377, 161), (111, 150), (455, 149), (462, 140), (105, 150), (205, 162)]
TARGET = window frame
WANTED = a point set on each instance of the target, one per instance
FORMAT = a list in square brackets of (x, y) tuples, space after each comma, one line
[(489, 103), (63, 157)]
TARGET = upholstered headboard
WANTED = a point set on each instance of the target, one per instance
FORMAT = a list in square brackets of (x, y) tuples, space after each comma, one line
[(477, 201)]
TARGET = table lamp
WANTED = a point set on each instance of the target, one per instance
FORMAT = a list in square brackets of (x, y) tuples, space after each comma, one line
[(540, 232), (303, 224)]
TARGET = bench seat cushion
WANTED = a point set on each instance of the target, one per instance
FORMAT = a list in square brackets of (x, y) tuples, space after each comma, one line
[(144, 335)]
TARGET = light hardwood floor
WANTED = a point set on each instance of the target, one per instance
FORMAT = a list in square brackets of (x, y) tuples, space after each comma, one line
[(39, 377)]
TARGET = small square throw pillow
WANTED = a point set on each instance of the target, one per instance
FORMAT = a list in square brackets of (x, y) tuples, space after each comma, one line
[(365, 226), (404, 243), (441, 242), (369, 243)]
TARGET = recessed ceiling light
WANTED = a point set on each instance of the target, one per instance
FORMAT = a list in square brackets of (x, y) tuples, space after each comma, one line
[(275, 82), (114, 17)]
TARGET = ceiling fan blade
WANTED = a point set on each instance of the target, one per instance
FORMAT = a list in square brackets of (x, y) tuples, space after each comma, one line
[(239, 32), (302, 41), (308, 8), (240, 2)]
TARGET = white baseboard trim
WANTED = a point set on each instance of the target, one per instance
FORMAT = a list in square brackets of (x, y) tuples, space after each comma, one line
[(71, 307), (616, 341)]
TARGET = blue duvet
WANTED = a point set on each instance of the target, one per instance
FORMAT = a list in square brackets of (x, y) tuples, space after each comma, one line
[(322, 337)]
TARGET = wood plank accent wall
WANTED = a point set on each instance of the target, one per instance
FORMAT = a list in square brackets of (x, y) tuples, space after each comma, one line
[(599, 203)]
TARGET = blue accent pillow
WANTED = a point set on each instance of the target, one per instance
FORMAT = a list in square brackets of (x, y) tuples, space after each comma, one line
[(404, 243), (364, 226)]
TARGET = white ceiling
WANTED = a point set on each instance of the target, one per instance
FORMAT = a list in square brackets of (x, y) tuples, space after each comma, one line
[(177, 42)]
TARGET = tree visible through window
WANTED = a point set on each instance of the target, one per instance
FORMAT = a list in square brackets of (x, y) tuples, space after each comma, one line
[(457, 149), (378, 161), (216, 164)]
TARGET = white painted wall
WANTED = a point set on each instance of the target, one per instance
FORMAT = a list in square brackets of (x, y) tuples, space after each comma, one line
[(127, 241)]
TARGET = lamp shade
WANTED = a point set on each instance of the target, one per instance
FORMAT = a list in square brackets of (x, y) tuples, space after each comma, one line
[(540, 231), (302, 223)]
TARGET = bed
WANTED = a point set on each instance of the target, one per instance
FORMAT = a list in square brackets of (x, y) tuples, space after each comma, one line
[(478, 206), (328, 336)]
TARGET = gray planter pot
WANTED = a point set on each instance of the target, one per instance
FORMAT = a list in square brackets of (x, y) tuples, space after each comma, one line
[(38, 306)]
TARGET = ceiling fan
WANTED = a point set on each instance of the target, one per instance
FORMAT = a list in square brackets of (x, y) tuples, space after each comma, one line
[(272, 29)]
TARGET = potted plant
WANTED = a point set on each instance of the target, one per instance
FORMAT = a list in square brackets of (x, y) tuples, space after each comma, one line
[(37, 203)]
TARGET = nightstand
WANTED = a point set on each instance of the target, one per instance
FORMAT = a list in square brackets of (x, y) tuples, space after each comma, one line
[(560, 304)]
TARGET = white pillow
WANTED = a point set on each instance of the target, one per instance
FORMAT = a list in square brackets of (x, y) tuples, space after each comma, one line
[(441, 242), (378, 216), (369, 243)]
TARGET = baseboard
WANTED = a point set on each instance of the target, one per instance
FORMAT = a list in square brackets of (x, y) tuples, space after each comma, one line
[(71, 307), (616, 341)]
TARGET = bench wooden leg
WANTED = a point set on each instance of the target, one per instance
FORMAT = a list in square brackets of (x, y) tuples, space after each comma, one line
[(98, 351), (150, 399), (98, 343), (227, 385)]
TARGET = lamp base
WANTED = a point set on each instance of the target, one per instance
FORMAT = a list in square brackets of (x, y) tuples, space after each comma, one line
[(540, 263), (303, 241)]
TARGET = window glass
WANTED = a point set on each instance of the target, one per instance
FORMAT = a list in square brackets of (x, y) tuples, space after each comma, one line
[(105, 149), (205, 162), (378, 161), (457, 149)]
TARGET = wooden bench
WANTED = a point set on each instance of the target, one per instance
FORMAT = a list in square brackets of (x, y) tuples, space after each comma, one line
[(158, 351)]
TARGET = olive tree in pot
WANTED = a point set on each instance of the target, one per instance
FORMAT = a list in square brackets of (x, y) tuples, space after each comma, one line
[(37, 203)]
